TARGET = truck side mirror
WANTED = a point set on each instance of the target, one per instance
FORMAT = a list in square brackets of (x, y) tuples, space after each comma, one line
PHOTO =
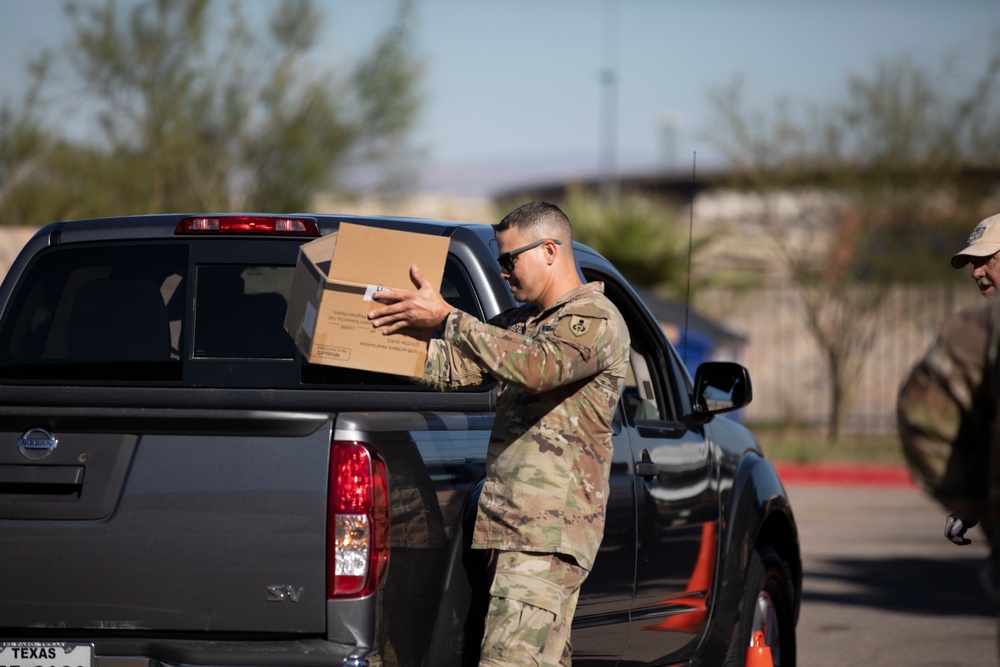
[(719, 386)]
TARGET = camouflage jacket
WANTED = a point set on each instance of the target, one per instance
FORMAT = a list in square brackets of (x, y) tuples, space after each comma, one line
[(561, 372), (945, 414)]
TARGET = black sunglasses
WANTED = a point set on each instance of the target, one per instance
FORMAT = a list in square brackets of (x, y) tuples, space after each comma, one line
[(506, 260)]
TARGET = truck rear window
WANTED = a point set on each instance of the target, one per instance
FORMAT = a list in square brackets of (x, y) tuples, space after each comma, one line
[(110, 313), (240, 312), (172, 312)]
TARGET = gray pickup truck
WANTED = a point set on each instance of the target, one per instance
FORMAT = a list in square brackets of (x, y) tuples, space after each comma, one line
[(178, 486)]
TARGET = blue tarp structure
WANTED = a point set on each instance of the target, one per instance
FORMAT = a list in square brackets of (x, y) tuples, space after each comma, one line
[(694, 347), (696, 337)]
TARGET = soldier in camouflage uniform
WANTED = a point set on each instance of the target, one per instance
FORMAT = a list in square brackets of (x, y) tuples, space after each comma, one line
[(982, 251), (946, 413), (560, 362)]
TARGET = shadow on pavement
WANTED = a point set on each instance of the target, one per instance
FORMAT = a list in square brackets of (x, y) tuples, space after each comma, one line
[(912, 585)]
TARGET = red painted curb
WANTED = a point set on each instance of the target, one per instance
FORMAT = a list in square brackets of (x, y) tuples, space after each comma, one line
[(845, 474)]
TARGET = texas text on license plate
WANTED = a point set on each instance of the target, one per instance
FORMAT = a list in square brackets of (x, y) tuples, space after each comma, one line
[(46, 654)]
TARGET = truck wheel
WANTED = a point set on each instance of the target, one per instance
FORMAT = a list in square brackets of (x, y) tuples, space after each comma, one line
[(767, 606)]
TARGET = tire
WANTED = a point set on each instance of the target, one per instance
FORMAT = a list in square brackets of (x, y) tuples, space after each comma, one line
[(768, 607)]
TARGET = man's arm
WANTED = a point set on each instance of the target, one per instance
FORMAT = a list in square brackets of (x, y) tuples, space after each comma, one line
[(941, 409), (580, 344), (423, 308)]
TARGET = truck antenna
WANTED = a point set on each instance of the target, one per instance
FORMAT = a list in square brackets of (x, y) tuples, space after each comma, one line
[(687, 298)]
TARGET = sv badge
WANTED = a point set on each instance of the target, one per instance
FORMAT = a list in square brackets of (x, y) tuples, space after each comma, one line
[(284, 593)]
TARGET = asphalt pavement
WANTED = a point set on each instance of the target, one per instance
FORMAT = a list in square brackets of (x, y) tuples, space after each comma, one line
[(882, 586)]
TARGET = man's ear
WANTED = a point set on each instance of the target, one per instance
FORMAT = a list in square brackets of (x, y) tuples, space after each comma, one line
[(551, 252)]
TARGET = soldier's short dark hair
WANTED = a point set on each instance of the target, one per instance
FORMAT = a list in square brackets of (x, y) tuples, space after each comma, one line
[(541, 216)]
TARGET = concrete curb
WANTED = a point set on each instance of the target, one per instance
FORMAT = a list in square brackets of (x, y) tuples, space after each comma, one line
[(844, 474)]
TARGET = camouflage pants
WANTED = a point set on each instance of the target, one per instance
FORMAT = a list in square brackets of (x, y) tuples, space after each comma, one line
[(532, 601)]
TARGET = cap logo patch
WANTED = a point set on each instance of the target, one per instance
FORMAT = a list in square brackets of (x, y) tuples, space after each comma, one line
[(976, 234)]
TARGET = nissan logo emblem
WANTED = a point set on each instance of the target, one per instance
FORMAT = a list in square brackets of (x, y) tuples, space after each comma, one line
[(37, 443)]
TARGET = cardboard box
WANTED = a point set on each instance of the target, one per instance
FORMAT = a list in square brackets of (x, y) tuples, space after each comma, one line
[(331, 297)]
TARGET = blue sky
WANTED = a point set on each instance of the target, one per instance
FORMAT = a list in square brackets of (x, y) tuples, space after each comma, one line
[(512, 87)]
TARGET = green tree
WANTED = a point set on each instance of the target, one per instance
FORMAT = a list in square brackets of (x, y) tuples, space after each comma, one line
[(195, 113), (26, 147), (648, 239), (883, 177)]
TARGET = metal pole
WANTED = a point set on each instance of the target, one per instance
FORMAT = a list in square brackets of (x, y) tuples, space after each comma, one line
[(609, 106)]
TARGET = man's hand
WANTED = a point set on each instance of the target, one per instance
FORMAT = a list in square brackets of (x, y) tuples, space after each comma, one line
[(955, 527), (424, 308)]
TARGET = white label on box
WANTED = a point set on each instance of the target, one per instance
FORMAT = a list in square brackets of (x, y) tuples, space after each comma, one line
[(371, 290)]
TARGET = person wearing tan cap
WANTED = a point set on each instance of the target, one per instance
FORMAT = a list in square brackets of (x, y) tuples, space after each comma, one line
[(983, 252)]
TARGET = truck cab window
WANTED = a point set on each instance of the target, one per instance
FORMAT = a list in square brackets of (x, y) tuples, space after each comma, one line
[(640, 389), (650, 389)]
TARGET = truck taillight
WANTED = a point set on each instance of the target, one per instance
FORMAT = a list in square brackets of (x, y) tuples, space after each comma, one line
[(248, 224), (357, 521)]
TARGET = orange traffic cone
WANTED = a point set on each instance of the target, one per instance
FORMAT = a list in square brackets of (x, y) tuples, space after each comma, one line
[(759, 653), (701, 580)]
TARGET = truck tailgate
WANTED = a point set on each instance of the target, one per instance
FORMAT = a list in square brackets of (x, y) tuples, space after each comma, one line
[(163, 520)]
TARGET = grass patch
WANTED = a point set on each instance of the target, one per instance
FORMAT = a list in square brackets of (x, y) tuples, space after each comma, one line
[(810, 446)]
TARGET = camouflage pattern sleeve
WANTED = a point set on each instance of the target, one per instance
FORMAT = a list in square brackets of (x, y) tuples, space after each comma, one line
[(576, 345), (446, 368), (945, 410)]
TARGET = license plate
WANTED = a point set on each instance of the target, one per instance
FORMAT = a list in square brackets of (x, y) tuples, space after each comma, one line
[(46, 654)]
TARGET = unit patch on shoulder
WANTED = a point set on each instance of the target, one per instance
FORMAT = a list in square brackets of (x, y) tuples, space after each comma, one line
[(582, 325), (579, 325)]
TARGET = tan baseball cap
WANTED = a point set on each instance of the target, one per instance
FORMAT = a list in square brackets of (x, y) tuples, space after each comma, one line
[(982, 242)]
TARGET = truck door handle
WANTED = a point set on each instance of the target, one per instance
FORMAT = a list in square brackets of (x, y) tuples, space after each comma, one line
[(646, 468)]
